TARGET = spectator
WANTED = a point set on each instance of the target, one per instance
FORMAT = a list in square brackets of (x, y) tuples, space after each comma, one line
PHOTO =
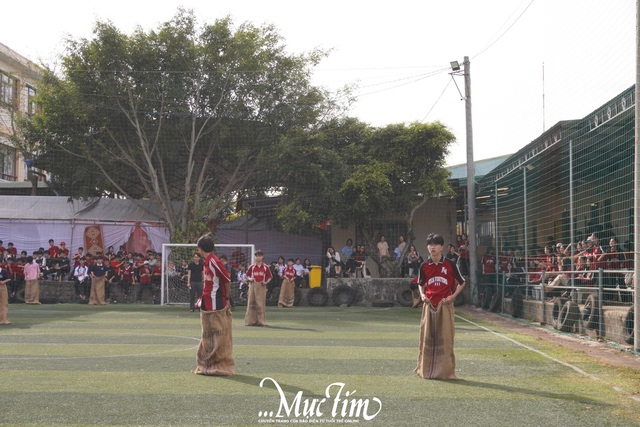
[(612, 259), (401, 244), (194, 281), (413, 261), (63, 252), (13, 251), (463, 251), (383, 248), (127, 279), (53, 249), (241, 277), (81, 281), (451, 255), (336, 272), (489, 266), (301, 273), (347, 251), (144, 282), (333, 257)]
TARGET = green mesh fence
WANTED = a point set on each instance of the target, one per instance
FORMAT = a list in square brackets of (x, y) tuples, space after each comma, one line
[(546, 204)]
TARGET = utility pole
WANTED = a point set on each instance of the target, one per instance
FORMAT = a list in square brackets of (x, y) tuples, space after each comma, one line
[(471, 186), (636, 191)]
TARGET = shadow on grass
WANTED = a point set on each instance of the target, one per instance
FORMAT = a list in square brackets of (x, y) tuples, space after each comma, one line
[(291, 329), (528, 391)]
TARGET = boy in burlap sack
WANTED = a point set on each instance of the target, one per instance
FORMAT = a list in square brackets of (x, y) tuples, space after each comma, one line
[(258, 276), (4, 296), (31, 282), (437, 280), (215, 351), (287, 288), (98, 273)]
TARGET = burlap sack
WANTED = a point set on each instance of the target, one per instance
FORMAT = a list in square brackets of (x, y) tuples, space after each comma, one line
[(215, 351), (256, 304), (4, 305), (32, 292), (287, 293), (436, 359), (97, 291)]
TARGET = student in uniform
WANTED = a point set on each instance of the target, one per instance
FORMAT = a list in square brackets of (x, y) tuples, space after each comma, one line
[(438, 280), (258, 277)]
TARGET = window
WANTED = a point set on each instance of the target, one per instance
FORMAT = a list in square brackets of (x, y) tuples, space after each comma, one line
[(7, 162), (31, 103), (7, 89)]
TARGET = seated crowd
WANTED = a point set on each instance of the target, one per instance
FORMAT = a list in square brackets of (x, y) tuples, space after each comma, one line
[(557, 266), (124, 269)]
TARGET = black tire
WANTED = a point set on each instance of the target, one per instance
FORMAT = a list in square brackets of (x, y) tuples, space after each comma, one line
[(382, 304), (317, 297), (20, 295), (591, 312), (275, 296), (297, 296), (459, 301), (496, 302), (569, 316), (557, 307), (517, 304), (343, 295), (404, 296), (628, 327)]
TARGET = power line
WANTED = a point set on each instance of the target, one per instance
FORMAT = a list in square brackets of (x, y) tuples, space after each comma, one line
[(437, 100), (505, 31)]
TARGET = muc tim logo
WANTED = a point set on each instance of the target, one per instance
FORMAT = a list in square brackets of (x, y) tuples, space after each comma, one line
[(337, 406)]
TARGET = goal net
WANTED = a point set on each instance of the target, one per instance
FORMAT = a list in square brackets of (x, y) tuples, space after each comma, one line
[(177, 256)]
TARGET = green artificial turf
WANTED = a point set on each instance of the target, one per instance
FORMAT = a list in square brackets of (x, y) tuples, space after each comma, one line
[(131, 365)]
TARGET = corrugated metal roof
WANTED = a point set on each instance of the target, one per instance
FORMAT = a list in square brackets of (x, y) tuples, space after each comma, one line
[(483, 167)]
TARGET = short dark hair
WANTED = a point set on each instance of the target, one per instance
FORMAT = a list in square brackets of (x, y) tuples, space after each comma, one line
[(435, 239), (258, 253), (206, 243)]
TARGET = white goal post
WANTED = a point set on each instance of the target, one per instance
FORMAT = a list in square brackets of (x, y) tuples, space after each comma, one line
[(173, 286)]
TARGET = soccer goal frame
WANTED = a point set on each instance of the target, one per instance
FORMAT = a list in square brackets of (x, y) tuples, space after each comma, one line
[(173, 287)]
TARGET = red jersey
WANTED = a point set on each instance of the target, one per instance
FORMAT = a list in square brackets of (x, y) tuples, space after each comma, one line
[(145, 274), (127, 272), (289, 273), (214, 292), (260, 273), (53, 251), (489, 264), (439, 279)]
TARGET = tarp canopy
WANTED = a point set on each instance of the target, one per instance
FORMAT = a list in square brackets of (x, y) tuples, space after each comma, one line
[(63, 208), (30, 221)]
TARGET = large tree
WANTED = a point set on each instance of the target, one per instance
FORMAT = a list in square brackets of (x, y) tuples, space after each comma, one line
[(182, 113), (348, 173)]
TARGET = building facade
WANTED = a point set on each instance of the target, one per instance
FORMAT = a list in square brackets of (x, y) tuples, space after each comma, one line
[(18, 81), (574, 180)]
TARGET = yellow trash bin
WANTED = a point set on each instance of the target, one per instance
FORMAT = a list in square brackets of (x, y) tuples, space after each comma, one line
[(315, 276)]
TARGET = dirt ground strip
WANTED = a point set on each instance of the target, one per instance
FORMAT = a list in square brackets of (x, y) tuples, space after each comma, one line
[(600, 350)]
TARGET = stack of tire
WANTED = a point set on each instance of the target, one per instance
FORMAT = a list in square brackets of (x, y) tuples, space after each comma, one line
[(566, 314)]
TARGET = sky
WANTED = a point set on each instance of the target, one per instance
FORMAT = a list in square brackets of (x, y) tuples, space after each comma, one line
[(532, 62)]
